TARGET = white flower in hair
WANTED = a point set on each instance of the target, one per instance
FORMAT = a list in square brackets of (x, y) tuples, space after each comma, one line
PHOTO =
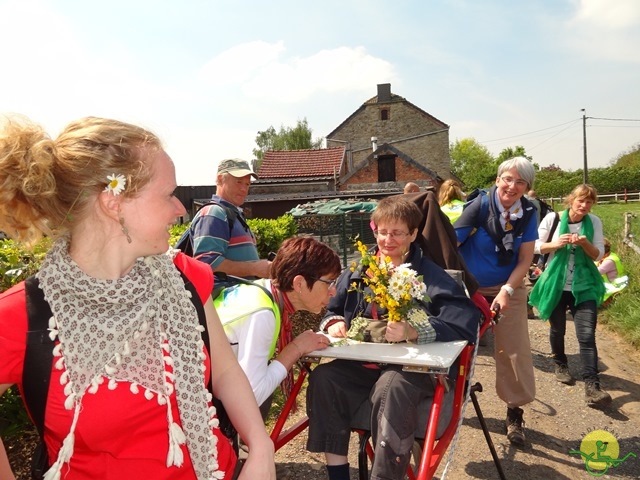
[(116, 184)]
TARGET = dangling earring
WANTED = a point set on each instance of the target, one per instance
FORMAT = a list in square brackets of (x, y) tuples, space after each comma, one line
[(125, 230)]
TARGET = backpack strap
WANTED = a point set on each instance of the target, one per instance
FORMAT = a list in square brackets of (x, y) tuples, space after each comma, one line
[(202, 317), (244, 281), (544, 258), (36, 371), (38, 360), (38, 357), (185, 243)]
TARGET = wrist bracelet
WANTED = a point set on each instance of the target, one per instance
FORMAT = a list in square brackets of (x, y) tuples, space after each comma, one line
[(507, 288)]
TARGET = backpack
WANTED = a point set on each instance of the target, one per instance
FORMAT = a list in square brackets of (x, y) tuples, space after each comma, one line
[(38, 360), (484, 214), (543, 258), (474, 193), (484, 207), (545, 208), (185, 243)]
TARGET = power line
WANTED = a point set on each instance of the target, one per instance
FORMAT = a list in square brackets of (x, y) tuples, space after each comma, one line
[(530, 133), (612, 126), (616, 119), (552, 136), (570, 122)]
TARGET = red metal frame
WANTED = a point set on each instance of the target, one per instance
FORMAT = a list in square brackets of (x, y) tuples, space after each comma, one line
[(278, 437), (431, 456)]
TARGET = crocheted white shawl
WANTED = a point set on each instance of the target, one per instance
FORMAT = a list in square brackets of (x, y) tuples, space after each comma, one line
[(128, 330)]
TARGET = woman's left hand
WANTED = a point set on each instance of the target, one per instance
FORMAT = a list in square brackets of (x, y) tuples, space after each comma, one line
[(579, 239), (502, 299), (260, 463), (308, 341)]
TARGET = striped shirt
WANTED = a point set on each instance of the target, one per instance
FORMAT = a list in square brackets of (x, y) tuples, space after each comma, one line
[(212, 240)]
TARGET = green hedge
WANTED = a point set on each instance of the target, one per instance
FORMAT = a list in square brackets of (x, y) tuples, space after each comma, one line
[(270, 233)]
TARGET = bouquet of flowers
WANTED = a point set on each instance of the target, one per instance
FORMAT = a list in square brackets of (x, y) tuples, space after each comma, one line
[(394, 288)]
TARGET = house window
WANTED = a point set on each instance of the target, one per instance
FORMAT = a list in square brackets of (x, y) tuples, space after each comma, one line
[(384, 114), (386, 168)]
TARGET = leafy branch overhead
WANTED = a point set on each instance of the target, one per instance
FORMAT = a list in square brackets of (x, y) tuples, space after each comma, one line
[(296, 138)]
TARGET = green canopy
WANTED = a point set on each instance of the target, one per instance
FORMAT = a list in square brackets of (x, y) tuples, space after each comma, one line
[(333, 206)]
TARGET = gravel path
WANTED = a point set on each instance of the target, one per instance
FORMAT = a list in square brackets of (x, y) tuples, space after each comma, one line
[(556, 422)]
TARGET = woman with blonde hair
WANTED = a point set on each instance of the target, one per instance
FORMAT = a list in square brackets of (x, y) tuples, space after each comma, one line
[(572, 281), (134, 337), (450, 199)]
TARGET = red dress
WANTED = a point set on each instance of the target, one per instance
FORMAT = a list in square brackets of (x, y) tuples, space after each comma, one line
[(119, 435)]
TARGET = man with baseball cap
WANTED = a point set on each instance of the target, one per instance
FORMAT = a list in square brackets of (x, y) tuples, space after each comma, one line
[(221, 236)]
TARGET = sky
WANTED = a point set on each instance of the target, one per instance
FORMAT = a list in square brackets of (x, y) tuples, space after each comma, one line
[(208, 75)]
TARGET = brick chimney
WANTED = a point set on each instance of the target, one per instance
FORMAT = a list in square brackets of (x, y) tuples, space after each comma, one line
[(384, 92)]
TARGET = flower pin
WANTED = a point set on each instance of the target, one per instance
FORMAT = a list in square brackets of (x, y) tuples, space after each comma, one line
[(116, 184)]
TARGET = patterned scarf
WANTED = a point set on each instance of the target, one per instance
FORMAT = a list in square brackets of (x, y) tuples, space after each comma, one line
[(286, 333), (587, 283), (129, 330)]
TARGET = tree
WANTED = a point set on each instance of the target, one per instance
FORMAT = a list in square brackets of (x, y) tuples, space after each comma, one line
[(509, 152), (629, 159), (296, 138), (472, 163)]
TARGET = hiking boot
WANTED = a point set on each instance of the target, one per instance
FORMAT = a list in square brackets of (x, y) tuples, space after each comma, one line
[(563, 375), (595, 396), (515, 427)]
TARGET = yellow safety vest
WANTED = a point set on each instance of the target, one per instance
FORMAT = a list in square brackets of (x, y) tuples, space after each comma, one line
[(618, 262), (239, 301), (453, 210)]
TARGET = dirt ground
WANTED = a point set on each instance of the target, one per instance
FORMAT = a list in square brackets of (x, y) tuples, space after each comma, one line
[(556, 422)]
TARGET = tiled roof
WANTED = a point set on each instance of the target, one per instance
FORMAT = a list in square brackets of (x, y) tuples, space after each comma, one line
[(301, 163)]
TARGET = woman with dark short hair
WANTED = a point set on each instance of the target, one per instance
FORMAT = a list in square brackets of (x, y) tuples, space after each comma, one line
[(257, 324)]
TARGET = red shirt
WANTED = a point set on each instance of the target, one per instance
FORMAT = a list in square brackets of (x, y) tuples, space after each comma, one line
[(119, 435)]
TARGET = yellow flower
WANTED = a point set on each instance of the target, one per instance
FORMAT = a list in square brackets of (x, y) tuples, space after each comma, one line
[(393, 287)]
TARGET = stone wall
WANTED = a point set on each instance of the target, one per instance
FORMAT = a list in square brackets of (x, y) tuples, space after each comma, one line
[(408, 129)]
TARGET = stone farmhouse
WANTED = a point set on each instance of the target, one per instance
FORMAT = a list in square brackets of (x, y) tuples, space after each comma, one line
[(385, 143)]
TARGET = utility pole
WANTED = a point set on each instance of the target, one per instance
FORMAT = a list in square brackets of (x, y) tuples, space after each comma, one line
[(584, 144)]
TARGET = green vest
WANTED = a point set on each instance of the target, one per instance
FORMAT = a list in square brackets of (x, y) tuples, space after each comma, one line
[(453, 210), (242, 300), (619, 268)]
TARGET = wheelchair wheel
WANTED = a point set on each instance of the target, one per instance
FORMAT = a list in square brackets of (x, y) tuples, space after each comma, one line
[(416, 455)]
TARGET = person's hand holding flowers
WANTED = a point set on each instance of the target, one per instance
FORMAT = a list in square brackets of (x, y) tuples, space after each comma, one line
[(396, 289)]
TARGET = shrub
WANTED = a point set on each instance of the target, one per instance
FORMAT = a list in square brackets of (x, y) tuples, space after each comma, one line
[(176, 232), (18, 263), (270, 233)]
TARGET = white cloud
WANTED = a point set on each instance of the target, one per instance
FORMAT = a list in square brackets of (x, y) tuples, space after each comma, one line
[(55, 76), (239, 63), (263, 71), (607, 14), (607, 30)]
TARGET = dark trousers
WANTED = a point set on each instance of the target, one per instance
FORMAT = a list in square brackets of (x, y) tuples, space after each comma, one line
[(585, 317), (337, 390)]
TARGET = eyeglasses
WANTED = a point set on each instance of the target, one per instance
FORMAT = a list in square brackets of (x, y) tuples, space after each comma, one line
[(394, 234), (514, 181), (329, 283)]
